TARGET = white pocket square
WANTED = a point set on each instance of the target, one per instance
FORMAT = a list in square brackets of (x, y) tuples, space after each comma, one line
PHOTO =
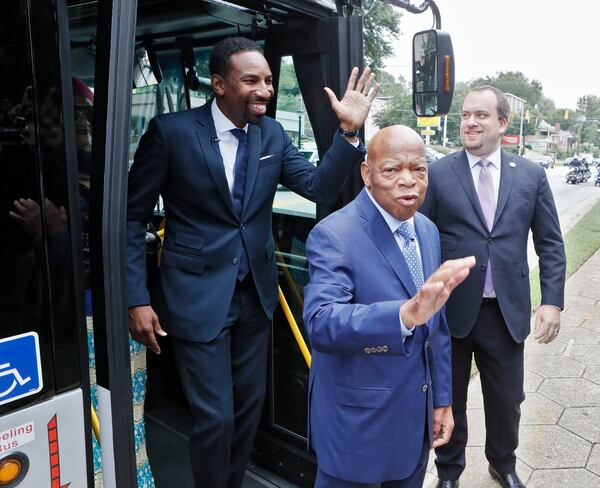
[(266, 157)]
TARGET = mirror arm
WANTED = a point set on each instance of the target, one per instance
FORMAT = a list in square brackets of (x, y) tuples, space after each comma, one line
[(406, 5)]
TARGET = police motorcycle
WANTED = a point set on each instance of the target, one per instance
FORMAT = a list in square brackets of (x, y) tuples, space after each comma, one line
[(597, 180), (574, 175)]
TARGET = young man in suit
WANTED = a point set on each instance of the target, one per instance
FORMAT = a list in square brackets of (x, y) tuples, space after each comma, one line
[(484, 202), (217, 168), (380, 381)]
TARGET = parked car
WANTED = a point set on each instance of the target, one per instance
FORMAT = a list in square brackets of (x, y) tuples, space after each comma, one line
[(432, 155)]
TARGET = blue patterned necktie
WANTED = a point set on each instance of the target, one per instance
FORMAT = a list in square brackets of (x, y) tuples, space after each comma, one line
[(240, 168), (409, 249)]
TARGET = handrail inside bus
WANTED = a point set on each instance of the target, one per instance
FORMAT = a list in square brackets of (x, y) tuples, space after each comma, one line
[(288, 315)]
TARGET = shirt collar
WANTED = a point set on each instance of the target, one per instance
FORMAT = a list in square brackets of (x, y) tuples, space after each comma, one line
[(222, 123), (392, 222), (495, 158)]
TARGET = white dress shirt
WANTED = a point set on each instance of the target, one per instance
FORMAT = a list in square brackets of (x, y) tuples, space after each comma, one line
[(228, 143), (393, 223), (494, 169)]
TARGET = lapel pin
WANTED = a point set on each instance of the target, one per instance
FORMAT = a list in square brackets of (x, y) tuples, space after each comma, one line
[(512, 164)]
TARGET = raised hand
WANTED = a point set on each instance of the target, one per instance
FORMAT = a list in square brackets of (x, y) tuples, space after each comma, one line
[(435, 291), (353, 108)]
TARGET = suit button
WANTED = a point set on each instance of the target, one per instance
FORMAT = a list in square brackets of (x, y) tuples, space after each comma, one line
[(243, 227), (379, 349), (491, 241), (367, 350), (483, 267), (235, 260), (425, 387), (426, 344), (384, 348)]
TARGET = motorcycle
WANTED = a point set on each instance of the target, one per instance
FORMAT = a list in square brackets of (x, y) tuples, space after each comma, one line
[(597, 181), (573, 176)]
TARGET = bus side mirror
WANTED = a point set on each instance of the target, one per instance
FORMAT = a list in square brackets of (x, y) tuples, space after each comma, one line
[(146, 70), (433, 73)]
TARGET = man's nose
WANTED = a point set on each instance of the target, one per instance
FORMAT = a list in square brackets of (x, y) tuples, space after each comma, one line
[(405, 178)]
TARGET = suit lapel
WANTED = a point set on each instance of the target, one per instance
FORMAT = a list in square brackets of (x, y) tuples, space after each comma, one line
[(207, 137), (376, 227), (508, 175), (460, 165), (254, 146)]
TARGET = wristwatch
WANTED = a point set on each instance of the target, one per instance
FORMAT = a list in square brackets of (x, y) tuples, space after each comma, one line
[(348, 133)]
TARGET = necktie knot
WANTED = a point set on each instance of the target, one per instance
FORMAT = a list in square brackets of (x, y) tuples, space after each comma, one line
[(240, 134), (405, 230), (484, 163)]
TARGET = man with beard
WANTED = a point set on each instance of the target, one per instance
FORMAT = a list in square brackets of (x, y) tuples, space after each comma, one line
[(217, 168)]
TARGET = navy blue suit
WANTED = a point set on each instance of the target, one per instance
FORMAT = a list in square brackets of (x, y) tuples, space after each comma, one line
[(195, 291), (493, 329), (371, 394)]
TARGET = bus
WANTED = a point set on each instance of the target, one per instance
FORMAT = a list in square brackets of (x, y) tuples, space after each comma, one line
[(82, 79)]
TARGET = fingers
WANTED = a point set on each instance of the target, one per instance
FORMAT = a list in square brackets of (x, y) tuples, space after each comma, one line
[(374, 92), (368, 82), (443, 436), (332, 98), (352, 79), (144, 326)]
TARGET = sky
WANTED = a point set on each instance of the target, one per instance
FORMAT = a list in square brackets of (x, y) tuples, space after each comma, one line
[(555, 42)]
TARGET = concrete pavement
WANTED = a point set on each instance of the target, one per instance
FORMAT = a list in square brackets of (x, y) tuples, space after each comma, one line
[(560, 421)]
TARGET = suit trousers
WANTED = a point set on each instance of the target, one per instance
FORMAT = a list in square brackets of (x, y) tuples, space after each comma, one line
[(499, 360), (224, 381), (415, 480)]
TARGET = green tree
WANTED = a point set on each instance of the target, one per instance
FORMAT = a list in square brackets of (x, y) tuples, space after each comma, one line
[(381, 26), (399, 108), (288, 92)]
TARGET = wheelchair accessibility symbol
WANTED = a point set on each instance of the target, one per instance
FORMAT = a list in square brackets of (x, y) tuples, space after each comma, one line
[(20, 367)]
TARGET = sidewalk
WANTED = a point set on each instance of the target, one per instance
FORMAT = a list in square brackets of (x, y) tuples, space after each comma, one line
[(560, 418)]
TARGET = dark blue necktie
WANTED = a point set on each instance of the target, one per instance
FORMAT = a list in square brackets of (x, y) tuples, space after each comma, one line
[(240, 168)]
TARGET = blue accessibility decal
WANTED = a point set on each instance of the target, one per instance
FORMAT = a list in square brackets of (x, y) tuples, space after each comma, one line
[(20, 367)]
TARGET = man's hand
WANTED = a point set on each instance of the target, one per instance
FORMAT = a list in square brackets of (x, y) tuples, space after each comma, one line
[(443, 425), (547, 323), (143, 325), (353, 108), (27, 214), (435, 291)]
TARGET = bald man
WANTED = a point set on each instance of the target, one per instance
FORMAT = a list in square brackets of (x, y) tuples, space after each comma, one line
[(380, 381)]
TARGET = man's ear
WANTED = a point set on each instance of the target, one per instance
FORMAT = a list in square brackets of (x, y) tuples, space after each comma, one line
[(503, 125), (218, 84), (365, 172)]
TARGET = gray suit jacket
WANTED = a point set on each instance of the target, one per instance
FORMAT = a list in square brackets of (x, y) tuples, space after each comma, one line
[(524, 202)]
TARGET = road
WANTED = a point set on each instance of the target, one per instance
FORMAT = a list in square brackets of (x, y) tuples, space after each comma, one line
[(572, 202)]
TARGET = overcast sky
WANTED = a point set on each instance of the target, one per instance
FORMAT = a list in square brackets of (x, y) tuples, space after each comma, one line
[(547, 40)]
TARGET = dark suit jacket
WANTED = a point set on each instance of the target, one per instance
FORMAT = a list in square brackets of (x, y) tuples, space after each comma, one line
[(524, 202), (371, 395), (179, 158)]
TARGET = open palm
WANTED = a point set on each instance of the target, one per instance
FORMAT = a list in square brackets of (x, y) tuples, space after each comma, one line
[(353, 108)]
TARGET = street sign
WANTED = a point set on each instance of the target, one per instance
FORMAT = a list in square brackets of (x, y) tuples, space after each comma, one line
[(427, 132), (428, 121), (510, 139), (20, 367)]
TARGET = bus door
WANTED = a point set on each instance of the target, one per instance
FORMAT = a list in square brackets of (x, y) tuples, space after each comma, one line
[(45, 435)]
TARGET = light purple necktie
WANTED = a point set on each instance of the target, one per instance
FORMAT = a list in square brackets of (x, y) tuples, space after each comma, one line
[(487, 200)]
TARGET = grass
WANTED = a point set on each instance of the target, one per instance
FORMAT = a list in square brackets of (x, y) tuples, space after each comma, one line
[(581, 242)]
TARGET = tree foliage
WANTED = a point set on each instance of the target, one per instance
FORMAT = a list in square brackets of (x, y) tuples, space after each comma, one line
[(381, 26)]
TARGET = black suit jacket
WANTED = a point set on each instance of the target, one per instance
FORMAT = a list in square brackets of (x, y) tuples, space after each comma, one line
[(179, 158), (525, 203)]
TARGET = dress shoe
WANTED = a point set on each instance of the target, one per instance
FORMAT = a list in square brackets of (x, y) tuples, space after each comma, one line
[(510, 480), (447, 484)]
